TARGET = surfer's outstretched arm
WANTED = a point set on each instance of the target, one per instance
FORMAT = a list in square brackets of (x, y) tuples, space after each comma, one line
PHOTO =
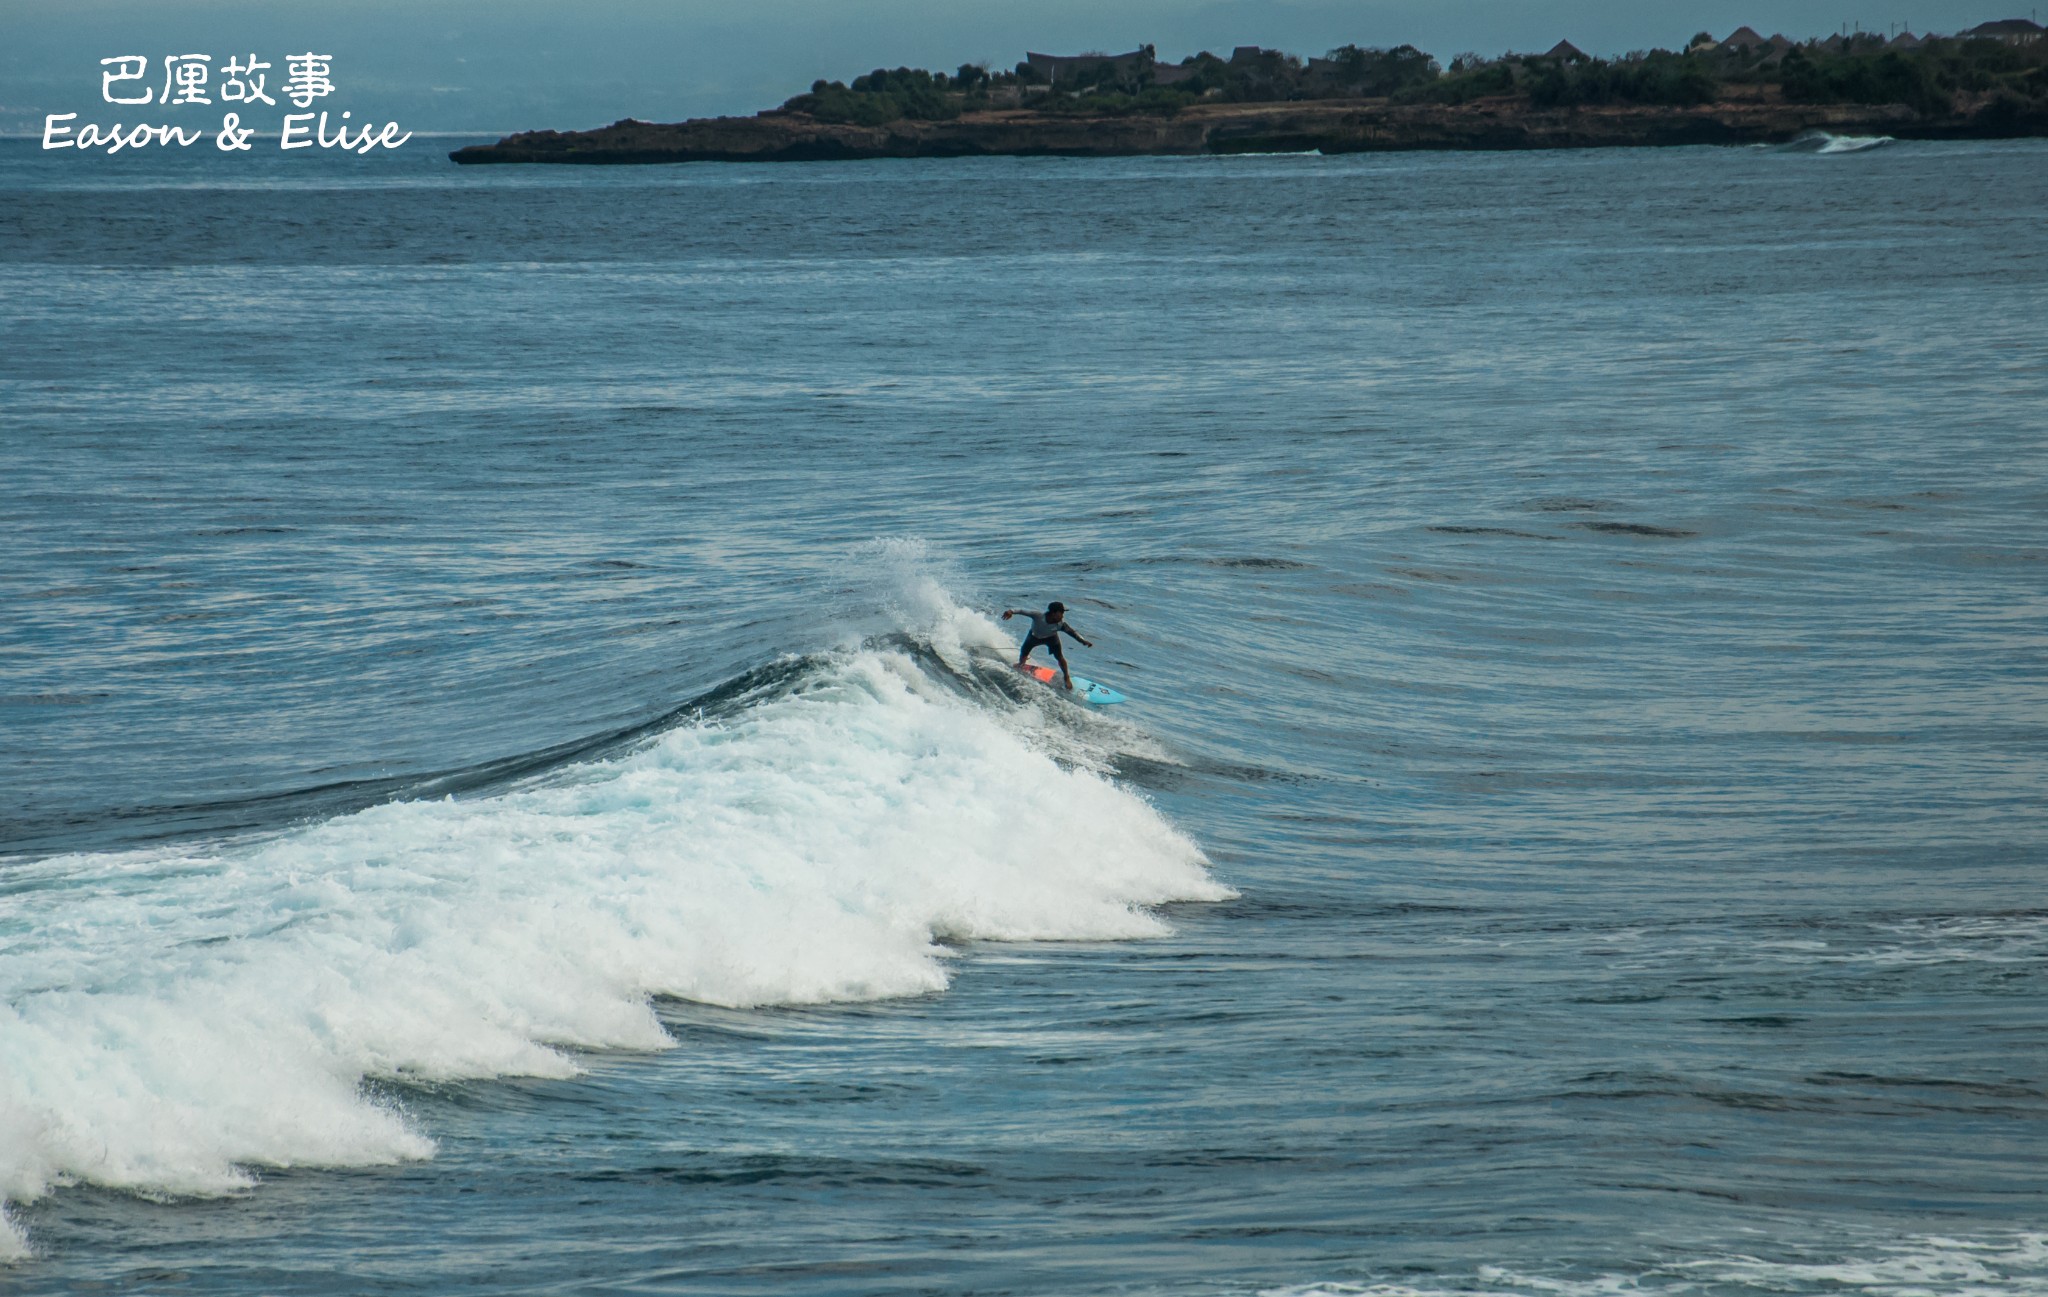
[(1076, 634)]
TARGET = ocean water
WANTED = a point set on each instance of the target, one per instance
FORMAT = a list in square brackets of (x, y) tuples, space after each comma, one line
[(510, 782)]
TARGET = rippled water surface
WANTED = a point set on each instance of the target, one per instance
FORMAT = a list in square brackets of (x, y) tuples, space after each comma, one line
[(510, 783)]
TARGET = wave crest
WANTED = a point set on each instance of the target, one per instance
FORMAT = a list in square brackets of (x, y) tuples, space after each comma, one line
[(174, 1016), (1824, 143)]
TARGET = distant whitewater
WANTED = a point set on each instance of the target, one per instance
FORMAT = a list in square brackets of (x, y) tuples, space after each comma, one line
[(176, 1016), (1822, 142)]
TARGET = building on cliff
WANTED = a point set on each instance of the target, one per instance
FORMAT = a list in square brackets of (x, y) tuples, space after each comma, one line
[(1055, 68), (2011, 31)]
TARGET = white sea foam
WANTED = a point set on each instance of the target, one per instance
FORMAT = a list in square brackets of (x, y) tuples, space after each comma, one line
[(1854, 143), (1824, 143), (900, 584), (174, 1017), (2009, 1265)]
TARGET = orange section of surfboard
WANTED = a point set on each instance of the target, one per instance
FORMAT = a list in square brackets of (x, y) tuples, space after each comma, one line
[(1085, 690)]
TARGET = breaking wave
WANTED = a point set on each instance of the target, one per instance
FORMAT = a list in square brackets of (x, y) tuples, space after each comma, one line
[(176, 1016), (1822, 142)]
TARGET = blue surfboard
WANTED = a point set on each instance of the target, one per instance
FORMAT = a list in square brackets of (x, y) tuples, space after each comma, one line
[(1085, 690)]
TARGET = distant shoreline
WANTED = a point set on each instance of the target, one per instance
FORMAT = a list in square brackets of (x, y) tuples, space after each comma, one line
[(1988, 83), (1221, 129)]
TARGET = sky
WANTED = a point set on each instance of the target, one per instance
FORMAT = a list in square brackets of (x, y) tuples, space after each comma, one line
[(503, 65)]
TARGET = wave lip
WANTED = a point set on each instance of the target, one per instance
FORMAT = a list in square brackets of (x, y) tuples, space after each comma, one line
[(1824, 143), (172, 1017)]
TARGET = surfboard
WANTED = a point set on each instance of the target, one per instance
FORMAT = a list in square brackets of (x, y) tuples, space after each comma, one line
[(1085, 690)]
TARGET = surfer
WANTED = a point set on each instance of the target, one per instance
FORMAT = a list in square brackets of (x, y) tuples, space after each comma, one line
[(1045, 631)]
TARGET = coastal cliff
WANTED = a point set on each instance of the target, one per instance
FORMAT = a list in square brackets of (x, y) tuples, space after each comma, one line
[(1352, 126), (1989, 82)]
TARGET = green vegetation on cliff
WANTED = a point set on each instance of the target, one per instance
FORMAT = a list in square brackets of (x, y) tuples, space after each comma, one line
[(1934, 76), (883, 96), (1658, 77), (1929, 79)]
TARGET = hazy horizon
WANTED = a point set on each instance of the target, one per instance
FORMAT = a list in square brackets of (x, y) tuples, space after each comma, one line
[(469, 67)]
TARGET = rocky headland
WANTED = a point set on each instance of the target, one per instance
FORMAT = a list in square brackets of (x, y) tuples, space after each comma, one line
[(1990, 82), (1334, 127)]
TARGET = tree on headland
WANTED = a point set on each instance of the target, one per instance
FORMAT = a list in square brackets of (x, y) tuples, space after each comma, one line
[(881, 96), (1379, 73), (1659, 78), (1931, 75)]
